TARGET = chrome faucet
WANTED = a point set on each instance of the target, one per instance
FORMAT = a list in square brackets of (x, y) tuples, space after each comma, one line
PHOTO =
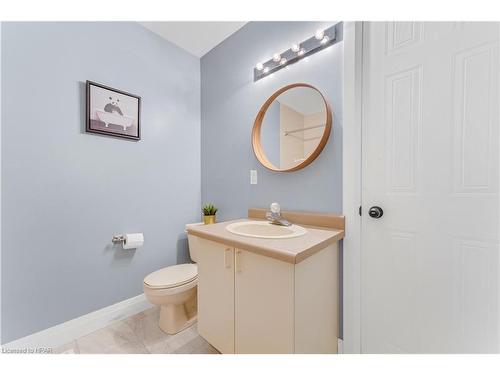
[(274, 216)]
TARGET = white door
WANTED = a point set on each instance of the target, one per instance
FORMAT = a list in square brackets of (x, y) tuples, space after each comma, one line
[(430, 264)]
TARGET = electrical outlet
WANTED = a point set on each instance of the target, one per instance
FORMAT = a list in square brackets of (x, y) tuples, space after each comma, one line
[(253, 177)]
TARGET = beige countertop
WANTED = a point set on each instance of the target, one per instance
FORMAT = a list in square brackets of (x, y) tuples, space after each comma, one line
[(291, 250)]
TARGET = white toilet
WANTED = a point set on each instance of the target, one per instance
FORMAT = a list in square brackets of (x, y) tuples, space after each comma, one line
[(174, 289)]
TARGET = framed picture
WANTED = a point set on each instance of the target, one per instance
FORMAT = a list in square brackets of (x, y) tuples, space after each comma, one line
[(113, 112)]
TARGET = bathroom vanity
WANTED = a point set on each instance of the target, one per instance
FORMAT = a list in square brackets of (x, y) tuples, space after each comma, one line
[(269, 295)]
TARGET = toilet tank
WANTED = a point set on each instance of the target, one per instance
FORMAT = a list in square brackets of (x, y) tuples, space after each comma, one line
[(192, 252)]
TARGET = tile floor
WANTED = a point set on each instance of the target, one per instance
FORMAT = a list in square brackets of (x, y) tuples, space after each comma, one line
[(139, 334)]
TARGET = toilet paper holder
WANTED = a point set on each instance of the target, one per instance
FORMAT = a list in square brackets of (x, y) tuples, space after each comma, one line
[(129, 240), (118, 238)]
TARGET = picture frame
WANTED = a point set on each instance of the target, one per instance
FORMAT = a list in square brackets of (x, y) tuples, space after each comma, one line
[(112, 112)]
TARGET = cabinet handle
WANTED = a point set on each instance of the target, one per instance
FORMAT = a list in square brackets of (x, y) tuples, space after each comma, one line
[(227, 263), (237, 261)]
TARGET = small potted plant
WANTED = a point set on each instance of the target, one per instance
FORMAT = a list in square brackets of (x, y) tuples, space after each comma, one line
[(209, 211)]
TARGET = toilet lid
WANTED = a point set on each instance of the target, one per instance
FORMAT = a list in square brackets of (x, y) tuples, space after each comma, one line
[(172, 276)]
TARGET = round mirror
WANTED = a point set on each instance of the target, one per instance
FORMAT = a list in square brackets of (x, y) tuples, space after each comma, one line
[(292, 128)]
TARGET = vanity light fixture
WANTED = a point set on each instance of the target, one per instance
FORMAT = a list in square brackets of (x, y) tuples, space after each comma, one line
[(320, 40), (319, 34)]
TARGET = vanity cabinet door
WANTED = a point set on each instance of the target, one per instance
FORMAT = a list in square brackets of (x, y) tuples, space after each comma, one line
[(216, 294), (264, 304)]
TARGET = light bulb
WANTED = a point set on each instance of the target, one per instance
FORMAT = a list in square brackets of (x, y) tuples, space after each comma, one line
[(266, 69), (325, 40), (276, 57), (283, 61), (259, 66), (319, 34), (295, 47), (301, 52)]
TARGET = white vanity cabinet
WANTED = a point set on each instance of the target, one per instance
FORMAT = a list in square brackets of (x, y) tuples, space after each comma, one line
[(263, 304), (253, 303), (215, 293)]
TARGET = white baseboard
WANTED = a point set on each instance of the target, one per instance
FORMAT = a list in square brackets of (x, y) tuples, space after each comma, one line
[(66, 332)]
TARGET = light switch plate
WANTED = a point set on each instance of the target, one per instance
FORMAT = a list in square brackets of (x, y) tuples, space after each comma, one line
[(253, 177)]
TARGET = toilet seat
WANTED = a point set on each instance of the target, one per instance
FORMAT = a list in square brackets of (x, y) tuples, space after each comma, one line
[(172, 276)]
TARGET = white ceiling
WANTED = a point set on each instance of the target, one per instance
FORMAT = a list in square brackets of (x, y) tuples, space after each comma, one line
[(195, 37)]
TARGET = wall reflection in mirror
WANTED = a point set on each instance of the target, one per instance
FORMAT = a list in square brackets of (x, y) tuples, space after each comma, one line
[(293, 126)]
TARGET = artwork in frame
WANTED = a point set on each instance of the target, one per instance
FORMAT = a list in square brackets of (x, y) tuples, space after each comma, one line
[(113, 112)]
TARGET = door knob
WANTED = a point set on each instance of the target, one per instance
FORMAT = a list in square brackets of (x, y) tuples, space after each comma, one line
[(376, 212)]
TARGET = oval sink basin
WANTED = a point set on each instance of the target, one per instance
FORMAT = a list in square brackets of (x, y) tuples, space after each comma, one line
[(263, 229)]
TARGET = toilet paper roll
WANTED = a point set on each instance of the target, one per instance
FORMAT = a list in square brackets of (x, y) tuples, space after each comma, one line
[(133, 240)]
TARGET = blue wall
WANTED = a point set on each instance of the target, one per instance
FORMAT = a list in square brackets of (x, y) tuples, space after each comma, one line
[(230, 101), (65, 192)]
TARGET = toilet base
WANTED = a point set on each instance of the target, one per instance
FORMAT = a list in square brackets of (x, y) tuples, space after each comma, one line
[(172, 330), (175, 318)]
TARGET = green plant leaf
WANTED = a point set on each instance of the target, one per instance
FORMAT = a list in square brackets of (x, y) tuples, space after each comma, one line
[(209, 209)]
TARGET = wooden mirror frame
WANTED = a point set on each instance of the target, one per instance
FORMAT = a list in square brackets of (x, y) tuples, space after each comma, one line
[(257, 146)]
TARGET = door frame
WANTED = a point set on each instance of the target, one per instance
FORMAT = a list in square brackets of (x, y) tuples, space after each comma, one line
[(352, 184)]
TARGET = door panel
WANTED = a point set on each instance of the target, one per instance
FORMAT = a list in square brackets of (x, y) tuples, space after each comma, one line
[(264, 304), (430, 265), (215, 293)]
